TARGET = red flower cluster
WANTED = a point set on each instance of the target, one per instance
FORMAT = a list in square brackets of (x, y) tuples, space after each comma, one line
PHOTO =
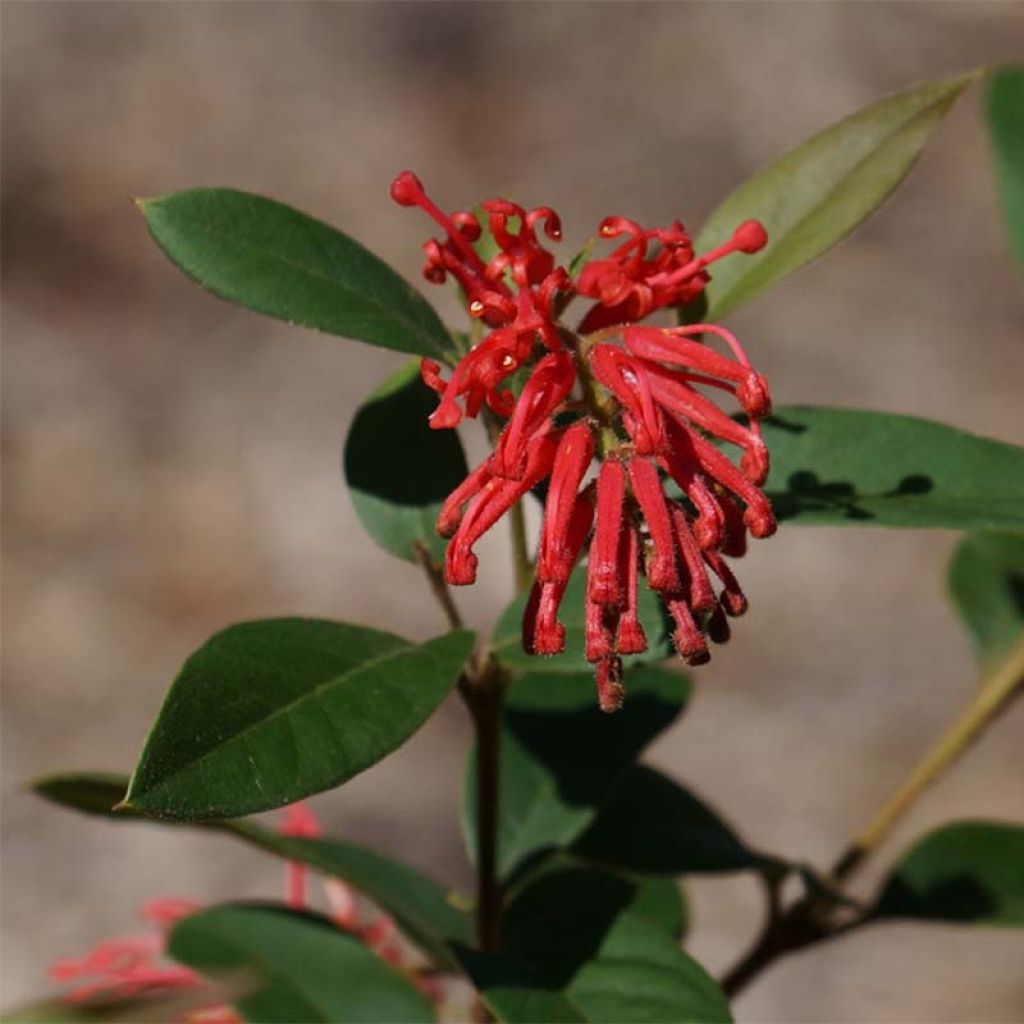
[(634, 397)]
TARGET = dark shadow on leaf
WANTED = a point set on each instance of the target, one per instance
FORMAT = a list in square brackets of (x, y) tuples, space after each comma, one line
[(585, 749), (915, 484), (959, 898), (809, 493), (558, 923), (653, 825), (1015, 585), (789, 426), (392, 454)]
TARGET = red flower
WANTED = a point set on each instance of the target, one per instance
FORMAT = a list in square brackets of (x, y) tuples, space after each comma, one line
[(634, 397)]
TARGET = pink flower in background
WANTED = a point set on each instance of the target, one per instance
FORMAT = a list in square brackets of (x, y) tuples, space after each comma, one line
[(135, 966)]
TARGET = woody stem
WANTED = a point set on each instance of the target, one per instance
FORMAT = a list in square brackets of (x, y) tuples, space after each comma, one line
[(435, 577), (990, 698), (483, 690), (807, 921)]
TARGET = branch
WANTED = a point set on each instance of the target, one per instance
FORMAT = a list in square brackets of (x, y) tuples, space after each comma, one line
[(809, 920), (435, 577)]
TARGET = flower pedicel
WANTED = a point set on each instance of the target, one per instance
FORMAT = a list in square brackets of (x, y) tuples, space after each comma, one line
[(635, 398)]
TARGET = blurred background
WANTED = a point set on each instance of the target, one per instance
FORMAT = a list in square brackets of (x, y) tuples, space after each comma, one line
[(172, 463)]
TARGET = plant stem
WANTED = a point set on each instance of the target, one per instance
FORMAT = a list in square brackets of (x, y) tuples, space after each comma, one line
[(991, 697), (520, 550), (482, 688), (808, 920), (435, 577), (487, 720)]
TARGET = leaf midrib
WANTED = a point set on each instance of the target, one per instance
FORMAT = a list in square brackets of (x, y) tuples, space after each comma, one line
[(717, 303), (276, 713), (203, 226)]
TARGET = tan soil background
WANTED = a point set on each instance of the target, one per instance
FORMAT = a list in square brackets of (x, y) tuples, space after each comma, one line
[(171, 462)]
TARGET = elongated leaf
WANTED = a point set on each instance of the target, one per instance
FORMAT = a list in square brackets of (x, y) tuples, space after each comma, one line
[(662, 902), (659, 899), (398, 470), (971, 872), (1004, 107), (851, 467), (296, 967), (561, 755), (651, 824), (507, 640), (576, 951), (816, 194), (88, 792), (986, 582), (268, 712), (272, 259), (423, 910)]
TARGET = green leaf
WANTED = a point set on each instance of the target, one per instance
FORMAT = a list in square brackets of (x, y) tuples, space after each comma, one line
[(398, 470), (507, 642), (849, 467), (660, 900), (421, 908), (561, 755), (1004, 109), (650, 824), (815, 195), (967, 872), (576, 951), (986, 582), (268, 712), (88, 792), (275, 260), (294, 967)]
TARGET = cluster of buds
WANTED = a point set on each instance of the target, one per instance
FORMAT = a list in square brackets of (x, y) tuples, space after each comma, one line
[(134, 967), (635, 399)]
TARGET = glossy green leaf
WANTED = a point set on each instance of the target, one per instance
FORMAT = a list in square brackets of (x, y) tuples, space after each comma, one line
[(398, 470), (970, 872), (576, 950), (268, 712), (651, 824), (507, 640), (1004, 109), (986, 582), (294, 967), (273, 259), (849, 467), (561, 755), (815, 195), (661, 900), (423, 910)]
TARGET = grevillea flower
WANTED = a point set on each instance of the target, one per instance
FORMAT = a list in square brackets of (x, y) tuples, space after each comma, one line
[(634, 399), (134, 967)]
